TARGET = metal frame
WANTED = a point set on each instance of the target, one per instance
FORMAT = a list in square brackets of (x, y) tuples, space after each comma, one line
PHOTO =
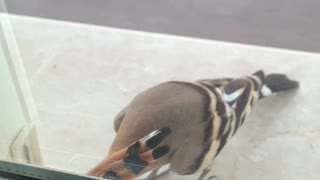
[(33, 172)]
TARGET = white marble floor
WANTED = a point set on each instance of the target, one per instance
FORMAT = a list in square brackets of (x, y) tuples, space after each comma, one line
[(82, 75)]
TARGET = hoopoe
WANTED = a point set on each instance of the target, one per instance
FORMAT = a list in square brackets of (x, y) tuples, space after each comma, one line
[(183, 126)]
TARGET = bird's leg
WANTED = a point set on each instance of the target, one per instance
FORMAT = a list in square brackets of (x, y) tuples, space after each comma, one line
[(206, 176), (149, 176), (211, 177), (155, 174)]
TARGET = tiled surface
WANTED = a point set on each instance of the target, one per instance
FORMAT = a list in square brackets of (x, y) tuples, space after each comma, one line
[(81, 76), (290, 24)]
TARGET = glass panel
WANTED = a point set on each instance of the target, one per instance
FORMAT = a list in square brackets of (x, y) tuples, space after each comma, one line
[(18, 116), (13, 118), (84, 76), (12, 115)]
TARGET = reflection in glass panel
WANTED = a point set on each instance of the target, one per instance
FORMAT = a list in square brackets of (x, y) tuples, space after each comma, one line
[(84, 77)]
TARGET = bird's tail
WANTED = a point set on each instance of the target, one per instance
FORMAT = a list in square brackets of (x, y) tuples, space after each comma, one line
[(274, 83), (128, 163)]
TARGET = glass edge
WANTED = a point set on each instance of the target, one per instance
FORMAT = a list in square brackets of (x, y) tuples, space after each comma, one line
[(39, 172)]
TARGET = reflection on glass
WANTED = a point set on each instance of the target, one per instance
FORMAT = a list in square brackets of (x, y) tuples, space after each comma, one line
[(83, 76)]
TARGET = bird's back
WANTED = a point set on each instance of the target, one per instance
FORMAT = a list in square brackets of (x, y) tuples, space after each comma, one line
[(166, 105)]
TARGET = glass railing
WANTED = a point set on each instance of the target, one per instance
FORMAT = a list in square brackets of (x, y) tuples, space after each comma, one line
[(20, 156), (14, 116), (65, 86)]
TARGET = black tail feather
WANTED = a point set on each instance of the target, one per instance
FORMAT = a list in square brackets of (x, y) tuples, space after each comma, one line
[(280, 82)]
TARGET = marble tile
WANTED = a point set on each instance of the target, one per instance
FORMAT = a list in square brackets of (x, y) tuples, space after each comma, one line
[(82, 75)]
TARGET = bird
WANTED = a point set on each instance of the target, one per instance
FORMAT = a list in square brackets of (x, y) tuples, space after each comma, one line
[(182, 126)]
